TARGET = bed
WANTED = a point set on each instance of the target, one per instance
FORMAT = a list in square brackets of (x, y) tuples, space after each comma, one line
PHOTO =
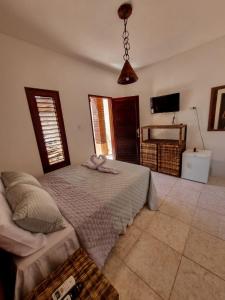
[(97, 208)]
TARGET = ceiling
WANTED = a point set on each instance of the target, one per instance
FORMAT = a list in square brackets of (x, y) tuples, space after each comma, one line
[(91, 29)]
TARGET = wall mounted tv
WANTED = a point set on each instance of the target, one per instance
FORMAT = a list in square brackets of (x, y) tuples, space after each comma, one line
[(166, 103)]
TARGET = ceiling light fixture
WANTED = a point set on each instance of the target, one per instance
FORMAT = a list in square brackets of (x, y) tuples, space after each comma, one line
[(127, 74)]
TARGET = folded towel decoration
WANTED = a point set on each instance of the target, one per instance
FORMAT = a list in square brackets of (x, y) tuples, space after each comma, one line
[(107, 170), (96, 163)]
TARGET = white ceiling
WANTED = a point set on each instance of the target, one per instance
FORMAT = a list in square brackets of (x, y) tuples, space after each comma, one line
[(91, 29)]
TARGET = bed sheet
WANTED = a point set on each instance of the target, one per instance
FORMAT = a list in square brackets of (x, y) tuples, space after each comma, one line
[(31, 270)]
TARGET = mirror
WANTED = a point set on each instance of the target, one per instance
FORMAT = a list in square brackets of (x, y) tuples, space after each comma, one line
[(217, 109)]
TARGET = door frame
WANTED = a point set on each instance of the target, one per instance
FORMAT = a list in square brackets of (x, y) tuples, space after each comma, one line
[(135, 98), (110, 120)]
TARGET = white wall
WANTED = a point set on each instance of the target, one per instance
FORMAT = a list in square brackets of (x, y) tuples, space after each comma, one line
[(193, 74), (23, 64)]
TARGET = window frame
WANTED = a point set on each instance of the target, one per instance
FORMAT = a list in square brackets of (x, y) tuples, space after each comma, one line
[(31, 93)]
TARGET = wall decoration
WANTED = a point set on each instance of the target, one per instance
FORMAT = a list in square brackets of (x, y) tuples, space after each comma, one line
[(217, 109)]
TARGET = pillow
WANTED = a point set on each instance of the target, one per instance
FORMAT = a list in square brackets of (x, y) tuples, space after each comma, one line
[(12, 178), (34, 209), (14, 239)]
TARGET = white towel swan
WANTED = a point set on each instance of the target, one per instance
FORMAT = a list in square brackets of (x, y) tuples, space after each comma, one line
[(97, 163)]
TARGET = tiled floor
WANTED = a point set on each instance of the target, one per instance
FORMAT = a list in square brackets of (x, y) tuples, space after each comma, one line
[(176, 253)]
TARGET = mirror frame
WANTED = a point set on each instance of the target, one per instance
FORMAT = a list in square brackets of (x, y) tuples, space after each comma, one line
[(212, 108)]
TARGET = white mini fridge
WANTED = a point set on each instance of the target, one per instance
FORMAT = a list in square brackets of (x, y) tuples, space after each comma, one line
[(196, 165)]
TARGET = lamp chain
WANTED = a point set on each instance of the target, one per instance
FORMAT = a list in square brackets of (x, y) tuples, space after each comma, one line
[(126, 43)]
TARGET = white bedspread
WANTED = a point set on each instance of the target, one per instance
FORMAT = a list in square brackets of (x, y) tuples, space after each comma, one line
[(82, 194), (99, 206), (32, 269)]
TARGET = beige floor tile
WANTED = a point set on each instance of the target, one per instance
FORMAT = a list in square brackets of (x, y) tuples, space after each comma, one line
[(179, 211), (155, 263), (206, 250), (190, 185), (163, 190), (163, 178), (127, 283), (218, 181), (169, 230), (162, 194), (210, 222), (212, 201), (143, 219), (112, 266), (195, 283), (126, 241), (216, 189), (131, 287), (183, 195), (146, 247)]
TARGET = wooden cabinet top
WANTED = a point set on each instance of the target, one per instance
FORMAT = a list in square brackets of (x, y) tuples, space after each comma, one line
[(177, 126), (146, 134)]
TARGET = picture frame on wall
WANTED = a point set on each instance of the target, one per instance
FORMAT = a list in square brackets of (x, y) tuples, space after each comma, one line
[(217, 109)]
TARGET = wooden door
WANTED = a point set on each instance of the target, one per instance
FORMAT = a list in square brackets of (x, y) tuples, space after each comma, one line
[(126, 128)]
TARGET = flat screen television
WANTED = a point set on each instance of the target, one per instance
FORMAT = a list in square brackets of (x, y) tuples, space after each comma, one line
[(166, 103)]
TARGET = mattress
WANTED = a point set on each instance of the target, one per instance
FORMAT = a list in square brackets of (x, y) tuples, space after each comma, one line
[(31, 270)]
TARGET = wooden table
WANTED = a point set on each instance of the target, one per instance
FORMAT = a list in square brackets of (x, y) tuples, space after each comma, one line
[(95, 285)]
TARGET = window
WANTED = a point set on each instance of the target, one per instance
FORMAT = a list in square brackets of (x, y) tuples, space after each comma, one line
[(46, 114)]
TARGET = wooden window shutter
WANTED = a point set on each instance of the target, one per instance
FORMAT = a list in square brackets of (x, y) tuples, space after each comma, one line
[(47, 118)]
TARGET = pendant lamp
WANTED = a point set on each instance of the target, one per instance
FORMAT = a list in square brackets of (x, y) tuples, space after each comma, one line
[(127, 74)]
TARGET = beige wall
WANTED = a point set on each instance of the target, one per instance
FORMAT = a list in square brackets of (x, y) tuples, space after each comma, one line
[(192, 74), (23, 64)]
